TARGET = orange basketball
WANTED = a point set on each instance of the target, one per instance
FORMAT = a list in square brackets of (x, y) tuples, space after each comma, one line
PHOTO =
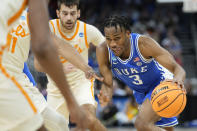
[(168, 100)]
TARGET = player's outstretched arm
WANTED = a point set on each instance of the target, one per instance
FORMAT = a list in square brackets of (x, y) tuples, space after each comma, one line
[(150, 48), (105, 70), (43, 48), (71, 54)]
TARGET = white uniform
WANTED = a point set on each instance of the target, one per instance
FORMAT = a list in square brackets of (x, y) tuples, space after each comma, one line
[(81, 87), (17, 54), (13, 61), (17, 112), (10, 11)]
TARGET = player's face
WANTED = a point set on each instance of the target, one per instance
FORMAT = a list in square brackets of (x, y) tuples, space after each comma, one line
[(68, 16), (117, 40)]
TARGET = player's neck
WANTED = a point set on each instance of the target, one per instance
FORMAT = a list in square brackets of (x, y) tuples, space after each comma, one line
[(64, 30)]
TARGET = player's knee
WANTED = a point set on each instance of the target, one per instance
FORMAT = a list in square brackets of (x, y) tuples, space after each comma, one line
[(141, 125), (91, 120)]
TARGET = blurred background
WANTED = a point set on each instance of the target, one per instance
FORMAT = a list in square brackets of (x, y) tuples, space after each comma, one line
[(172, 23)]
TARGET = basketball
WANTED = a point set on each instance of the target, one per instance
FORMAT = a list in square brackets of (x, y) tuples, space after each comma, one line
[(168, 100)]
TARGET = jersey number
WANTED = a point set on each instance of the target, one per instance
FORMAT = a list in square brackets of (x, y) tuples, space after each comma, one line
[(14, 40), (136, 80), (18, 32)]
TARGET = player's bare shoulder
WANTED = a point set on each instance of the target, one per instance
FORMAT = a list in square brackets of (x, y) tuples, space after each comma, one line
[(149, 47), (145, 45), (144, 41)]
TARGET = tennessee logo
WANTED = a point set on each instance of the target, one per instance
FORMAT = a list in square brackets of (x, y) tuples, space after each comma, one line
[(136, 59)]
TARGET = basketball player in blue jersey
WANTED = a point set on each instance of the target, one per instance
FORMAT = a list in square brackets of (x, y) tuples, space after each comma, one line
[(139, 62)]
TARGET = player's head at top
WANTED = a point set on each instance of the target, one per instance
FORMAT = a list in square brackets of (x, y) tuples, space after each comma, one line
[(68, 12), (117, 32)]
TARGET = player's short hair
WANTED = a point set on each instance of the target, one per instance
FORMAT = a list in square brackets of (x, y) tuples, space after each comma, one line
[(117, 20), (68, 3)]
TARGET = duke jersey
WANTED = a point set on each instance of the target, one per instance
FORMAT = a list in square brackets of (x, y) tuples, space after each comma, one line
[(137, 72)]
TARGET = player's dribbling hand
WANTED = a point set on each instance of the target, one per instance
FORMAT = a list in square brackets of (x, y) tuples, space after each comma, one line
[(105, 95), (179, 82)]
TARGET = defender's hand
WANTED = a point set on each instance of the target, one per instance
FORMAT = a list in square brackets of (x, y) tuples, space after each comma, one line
[(105, 95), (90, 74)]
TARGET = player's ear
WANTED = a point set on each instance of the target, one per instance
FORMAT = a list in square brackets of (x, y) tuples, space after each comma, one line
[(78, 13), (128, 33), (58, 13)]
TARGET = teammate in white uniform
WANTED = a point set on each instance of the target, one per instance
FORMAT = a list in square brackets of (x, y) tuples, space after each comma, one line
[(79, 35)]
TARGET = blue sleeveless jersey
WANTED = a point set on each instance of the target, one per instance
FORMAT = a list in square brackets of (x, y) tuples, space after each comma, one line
[(141, 75), (137, 72)]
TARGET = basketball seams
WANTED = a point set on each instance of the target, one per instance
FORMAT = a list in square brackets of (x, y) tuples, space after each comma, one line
[(162, 94), (180, 106), (171, 102)]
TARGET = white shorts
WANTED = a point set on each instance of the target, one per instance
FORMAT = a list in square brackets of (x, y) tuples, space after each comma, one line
[(53, 121), (10, 11), (17, 112), (33, 92), (83, 95)]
